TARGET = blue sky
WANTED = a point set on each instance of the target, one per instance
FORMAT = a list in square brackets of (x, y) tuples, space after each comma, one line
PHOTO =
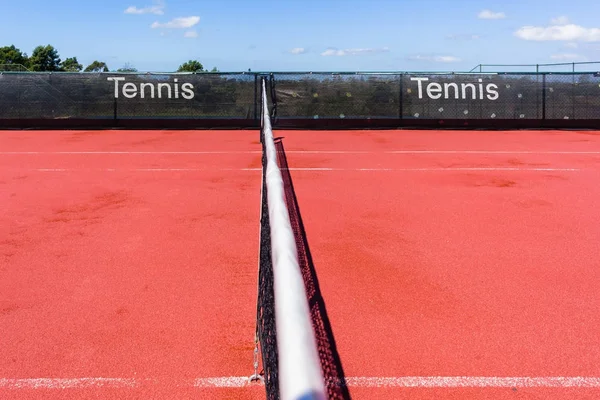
[(308, 35)]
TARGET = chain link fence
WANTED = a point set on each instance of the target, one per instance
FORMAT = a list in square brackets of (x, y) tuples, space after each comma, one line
[(438, 96), (127, 96), (346, 99)]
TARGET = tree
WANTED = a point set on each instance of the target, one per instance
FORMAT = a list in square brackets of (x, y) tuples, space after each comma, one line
[(12, 55), (44, 58), (191, 66), (97, 66), (71, 65), (127, 68), (214, 69)]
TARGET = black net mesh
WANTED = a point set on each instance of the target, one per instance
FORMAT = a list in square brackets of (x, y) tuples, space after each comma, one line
[(55, 96), (321, 95), (472, 96), (214, 96), (508, 96), (572, 96), (266, 328), (374, 98), (127, 96), (331, 364)]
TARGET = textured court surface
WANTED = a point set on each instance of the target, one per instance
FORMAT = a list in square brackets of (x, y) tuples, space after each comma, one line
[(128, 261)]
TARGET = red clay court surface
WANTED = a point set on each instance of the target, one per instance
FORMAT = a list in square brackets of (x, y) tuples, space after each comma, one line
[(454, 265)]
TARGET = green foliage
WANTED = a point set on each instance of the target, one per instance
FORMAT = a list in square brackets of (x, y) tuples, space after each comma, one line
[(71, 65), (12, 55), (97, 66), (191, 66), (47, 58), (44, 58), (127, 68)]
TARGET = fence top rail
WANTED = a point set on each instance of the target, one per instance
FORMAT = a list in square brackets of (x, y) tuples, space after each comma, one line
[(308, 73), (573, 65), (121, 73)]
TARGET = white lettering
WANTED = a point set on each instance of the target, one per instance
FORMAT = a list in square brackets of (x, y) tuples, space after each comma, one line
[(480, 89), (492, 94), (188, 91), (464, 90), (419, 80), (161, 86), (132, 90), (451, 90), (143, 92), (434, 88), (116, 85), (447, 86), (129, 90)]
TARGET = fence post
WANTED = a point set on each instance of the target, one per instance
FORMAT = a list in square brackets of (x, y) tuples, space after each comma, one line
[(115, 109), (573, 93), (400, 97), (256, 100), (273, 94), (543, 98)]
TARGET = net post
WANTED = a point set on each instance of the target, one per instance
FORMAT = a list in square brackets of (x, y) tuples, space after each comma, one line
[(256, 376)]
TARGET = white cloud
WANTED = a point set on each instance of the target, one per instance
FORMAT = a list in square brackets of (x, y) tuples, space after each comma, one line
[(487, 14), (438, 59), (333, 52), (562, 20), (569, 32), (178, 23), (571, 45), (353, 52), (567, 57), (157, 9), (190, 34), (298, 50)]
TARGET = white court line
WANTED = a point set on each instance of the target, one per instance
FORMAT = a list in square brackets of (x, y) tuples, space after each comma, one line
[(127, 152), (302, 152), (487, 152), (364, 382), (497, 169), (66, 383), (436, 169)]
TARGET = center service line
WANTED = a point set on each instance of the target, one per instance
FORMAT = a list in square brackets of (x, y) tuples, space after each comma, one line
[(364, 382)]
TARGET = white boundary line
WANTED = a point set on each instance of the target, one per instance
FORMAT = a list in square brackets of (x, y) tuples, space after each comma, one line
[(440, 382), (488, 152), (317, 169), (299, 152)]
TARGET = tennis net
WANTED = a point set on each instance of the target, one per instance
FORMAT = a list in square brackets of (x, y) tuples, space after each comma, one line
[(291, 364)]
